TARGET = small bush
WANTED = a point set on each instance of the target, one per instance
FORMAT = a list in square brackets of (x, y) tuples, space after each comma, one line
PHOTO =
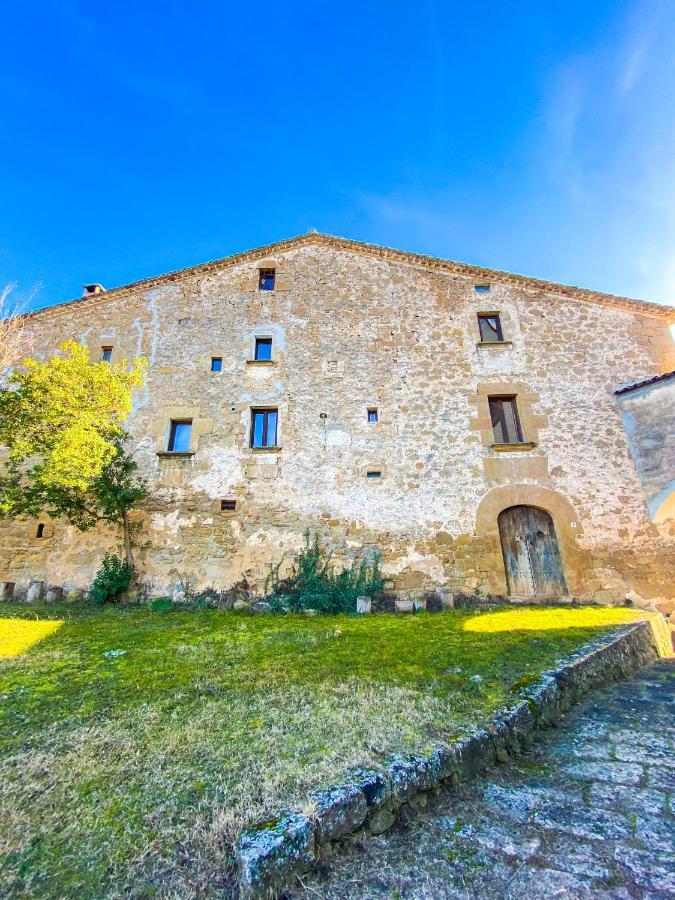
[(161, 604), (314, 583), (112, 579)]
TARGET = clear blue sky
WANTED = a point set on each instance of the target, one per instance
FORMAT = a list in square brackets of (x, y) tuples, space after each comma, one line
[(537, 137)]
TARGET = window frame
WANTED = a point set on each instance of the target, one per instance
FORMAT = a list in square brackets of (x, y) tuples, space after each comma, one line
[(228, 505), (106, 353), (174, 424), (264, 411), (501, 399), (262, 341), (372, 411), (264, 276), (219, 360), (484, 317)]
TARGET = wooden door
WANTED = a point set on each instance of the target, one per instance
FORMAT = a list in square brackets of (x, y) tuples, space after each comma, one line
[(531, 553)]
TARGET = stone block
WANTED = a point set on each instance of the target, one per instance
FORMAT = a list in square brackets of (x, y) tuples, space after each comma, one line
[(363, 605), (36, 592), (338, 811), (403, 606), (267, 858)]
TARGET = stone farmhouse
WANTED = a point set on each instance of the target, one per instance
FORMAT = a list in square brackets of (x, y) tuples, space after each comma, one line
[(460, 420)]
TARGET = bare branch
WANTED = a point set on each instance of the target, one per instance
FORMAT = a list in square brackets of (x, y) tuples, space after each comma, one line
[(15, 341)]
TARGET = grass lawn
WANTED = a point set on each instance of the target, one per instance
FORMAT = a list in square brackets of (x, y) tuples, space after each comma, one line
[(131, 773)]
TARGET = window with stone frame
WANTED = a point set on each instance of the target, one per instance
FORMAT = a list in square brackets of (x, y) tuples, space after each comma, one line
[(264, 428), (180, 434), (106, 354), (490, 328), (266, 279), (505, 421), (263, 349)]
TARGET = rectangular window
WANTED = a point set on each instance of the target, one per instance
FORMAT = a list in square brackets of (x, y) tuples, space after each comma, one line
[(266, 279), (482, 288), (490, 327), (106, 354), (263, 349), (179, 436), (373, 474), (228, 505), (264, 427), (216, 363), (372, 415), (505, 423)]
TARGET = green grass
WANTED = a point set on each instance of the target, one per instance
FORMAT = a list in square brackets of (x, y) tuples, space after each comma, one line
[(132, 774)]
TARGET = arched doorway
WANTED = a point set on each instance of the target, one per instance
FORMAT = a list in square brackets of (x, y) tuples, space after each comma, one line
[(531, 553)]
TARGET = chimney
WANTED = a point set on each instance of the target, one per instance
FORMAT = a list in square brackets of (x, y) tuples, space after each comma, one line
[(88, 290)]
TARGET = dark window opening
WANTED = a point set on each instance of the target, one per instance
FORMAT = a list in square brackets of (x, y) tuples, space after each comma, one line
[(490, 327), (505, 422), (482, 288), (374, 474), (372, 416), (263, 349), (179, 436), (40, 530), (216, 363), (229, 505), (266, 279), (106, 354), (264, 427)]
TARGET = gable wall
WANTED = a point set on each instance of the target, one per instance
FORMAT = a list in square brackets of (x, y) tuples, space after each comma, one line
[(352, 331)]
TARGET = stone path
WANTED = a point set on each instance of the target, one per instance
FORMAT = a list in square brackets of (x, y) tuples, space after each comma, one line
[(585, 813)]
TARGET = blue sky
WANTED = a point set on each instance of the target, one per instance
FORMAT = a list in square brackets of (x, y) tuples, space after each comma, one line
[(536, 137)]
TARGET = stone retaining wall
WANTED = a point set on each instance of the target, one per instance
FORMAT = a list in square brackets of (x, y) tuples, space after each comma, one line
[(269, 856)]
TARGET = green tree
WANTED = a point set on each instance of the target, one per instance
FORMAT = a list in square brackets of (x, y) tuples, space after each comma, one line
[(61, 424)]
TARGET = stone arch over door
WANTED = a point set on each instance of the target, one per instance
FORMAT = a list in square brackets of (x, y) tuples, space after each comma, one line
[(566, 523)]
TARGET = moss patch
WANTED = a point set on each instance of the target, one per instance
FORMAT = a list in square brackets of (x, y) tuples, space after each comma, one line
[(133, 771)]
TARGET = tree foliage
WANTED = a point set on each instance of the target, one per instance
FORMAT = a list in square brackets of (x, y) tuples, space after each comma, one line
[(61, 422)]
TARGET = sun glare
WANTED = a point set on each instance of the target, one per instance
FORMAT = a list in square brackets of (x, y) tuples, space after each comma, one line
[(528, 619), (19, 635)]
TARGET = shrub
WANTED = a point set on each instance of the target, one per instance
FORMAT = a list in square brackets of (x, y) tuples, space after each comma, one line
[(315, 583), (112, 579)]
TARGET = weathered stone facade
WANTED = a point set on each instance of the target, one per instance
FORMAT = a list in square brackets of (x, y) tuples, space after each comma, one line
[(356, 327)]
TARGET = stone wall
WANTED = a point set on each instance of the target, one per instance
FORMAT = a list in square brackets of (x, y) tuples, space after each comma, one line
[(356, 327)]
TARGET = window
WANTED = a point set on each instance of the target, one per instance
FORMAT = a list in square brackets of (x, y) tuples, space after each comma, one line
[(179, 436), (40, 530), (216, 363), (106, 354), (482, 288), (266, 279), (263, 349), (228, 505), (505, 423), (372, 415), (490, 327), (373, 474), (264, 427)]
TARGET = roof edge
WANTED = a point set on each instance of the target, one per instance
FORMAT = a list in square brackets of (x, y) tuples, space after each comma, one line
[(643, 382), (643, 307)]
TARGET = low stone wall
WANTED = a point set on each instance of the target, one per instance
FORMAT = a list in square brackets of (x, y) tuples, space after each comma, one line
[(269, 856)]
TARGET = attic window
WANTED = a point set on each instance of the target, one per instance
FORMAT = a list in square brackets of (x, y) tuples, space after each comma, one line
[(40, 530), (266, 279), (216, 363), (372, 415), (482, 288), (228, 505)]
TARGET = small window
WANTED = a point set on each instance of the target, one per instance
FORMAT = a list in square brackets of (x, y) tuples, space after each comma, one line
[(40, 530), (482, 288), (373, 474), (106, 354), (490, 327), (179, 436), (216, 363), (505, 422), (264, 427), (266, 279), (263, 349), (372, 415), (228, 505)]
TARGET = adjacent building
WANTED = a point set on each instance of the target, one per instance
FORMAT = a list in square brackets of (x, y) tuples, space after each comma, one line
[(461, 421)]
